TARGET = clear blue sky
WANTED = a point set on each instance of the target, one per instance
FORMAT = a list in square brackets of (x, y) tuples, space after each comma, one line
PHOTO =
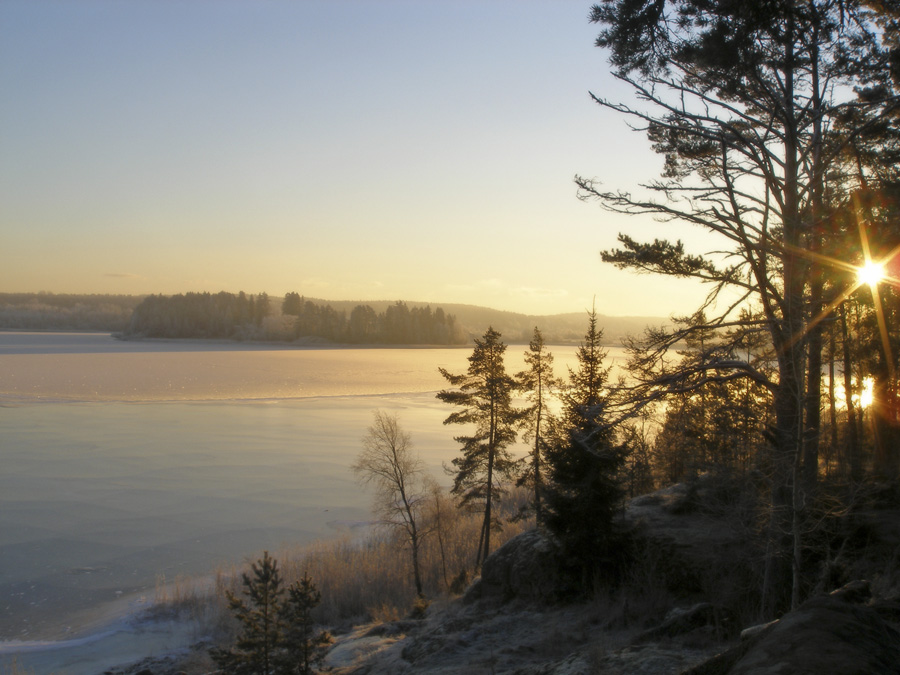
[(361, 150)]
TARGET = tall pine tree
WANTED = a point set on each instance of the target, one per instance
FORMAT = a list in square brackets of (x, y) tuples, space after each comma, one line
[(538, 383), (484, 393)]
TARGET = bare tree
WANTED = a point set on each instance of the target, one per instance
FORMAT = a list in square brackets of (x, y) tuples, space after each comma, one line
[(387, 461)]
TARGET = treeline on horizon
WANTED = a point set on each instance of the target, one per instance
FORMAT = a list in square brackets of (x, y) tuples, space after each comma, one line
[(66, 311), (398, 324), (243, 316)]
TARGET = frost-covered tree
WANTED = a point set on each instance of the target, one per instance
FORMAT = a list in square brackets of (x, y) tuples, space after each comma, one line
[(388, 462)]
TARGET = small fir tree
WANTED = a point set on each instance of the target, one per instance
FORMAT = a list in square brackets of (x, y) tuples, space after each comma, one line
[(261, 622), (304, 647), (277, 635)]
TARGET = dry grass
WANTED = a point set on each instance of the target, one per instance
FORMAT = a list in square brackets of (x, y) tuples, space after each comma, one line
[(371, 578)]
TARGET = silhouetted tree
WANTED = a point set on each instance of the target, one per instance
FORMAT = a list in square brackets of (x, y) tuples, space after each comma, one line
[(741, 100), (277, 635), (292, 304), (262, 626), (304, 645), (484, 393), (583, 493), (539, 384)]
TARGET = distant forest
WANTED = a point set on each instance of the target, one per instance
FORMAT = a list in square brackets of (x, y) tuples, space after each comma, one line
[(264, 317), (242, 316), (398, 324), (52, 311)]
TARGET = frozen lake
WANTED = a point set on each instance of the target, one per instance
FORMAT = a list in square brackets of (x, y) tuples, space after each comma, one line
[(123, 462), (126, 461)]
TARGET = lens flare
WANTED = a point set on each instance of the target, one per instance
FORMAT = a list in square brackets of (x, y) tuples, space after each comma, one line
[(871, 273)]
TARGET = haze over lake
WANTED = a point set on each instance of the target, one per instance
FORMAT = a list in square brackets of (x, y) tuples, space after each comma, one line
[(124, 462)]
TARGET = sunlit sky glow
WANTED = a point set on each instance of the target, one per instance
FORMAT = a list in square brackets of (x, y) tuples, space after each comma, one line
[(871, 273), (343, 149)]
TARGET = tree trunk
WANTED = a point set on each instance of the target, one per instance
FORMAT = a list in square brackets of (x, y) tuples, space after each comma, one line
[(853, 454)]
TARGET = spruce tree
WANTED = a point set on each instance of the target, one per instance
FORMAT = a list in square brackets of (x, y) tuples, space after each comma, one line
[(485, 394), (583, 493)]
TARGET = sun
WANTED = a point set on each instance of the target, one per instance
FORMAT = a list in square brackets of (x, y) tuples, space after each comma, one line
[(871, 273)]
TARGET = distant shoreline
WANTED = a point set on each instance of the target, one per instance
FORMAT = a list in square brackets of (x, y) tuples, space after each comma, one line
[(300, 343)]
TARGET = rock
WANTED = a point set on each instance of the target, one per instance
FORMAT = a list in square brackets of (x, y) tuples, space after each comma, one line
[(754, 631), (826, 635), (690, 536), (856, 592), (829, 634), (524, 568), (681, 620)]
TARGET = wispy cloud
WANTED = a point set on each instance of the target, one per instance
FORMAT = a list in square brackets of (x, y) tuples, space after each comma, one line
[(540, 293), (499, 287)]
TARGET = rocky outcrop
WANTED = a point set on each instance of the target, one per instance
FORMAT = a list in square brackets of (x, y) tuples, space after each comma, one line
[(524, 568), (829, 634), (692, 537)]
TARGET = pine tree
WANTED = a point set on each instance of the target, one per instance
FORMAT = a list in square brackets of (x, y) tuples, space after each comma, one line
[(485, 394), (304, 647), (583, 493), (756, 108), (538, 382), (277, 635), (255, 652)]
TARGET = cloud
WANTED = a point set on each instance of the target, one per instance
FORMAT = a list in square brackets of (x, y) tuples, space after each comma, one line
[(500, 287), (540, 293)]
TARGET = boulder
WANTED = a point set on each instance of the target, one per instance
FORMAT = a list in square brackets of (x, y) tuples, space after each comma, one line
[(524, 568), (825, 635), (829, 634)]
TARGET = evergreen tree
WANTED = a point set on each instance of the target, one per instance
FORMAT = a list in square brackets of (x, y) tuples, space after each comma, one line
[(485, 394), (292, 304), (277, 635), (304, 647), (255, 652), (538, 382), (583, 493), (263, 307)]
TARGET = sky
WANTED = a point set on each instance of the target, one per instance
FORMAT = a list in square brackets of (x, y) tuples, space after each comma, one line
[(342, 149)]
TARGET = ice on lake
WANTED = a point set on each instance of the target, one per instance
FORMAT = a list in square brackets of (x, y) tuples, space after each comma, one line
[(127, 462)]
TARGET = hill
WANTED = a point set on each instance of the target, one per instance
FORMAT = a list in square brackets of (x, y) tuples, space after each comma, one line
[(50, 311), (517, 328)]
